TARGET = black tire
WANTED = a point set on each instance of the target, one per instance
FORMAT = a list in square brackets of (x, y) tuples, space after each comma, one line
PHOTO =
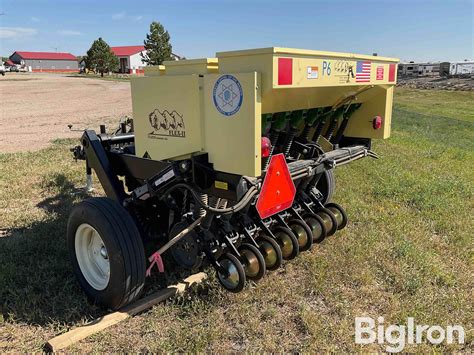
[(329, 219), (320, 222), (123, 244), (295, 248), (339, 213), (247, 251), (309, 235), (264, 242), (327, 185), (240, 271)]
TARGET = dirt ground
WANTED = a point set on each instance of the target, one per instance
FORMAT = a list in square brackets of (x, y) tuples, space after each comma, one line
[(437, 83), (37, 108)]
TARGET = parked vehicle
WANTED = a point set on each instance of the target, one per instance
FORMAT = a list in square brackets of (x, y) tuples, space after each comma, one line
[(14, 68), (2, 70)]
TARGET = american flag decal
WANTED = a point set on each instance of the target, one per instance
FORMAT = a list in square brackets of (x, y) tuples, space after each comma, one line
[(363, 72)]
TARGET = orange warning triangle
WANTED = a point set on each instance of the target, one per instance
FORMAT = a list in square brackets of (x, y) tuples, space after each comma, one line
[(278, 189)]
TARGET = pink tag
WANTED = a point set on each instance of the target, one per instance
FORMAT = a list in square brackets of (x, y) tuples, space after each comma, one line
[(155, 258)]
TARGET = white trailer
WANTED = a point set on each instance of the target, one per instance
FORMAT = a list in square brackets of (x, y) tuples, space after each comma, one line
[(461, 68)]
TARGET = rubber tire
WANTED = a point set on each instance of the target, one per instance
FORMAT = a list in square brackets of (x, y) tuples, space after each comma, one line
[(124, 245), (275, 246), (333, 228), (324, 232), (261, 261), (327, 185), (342, 211), (303, 224), (240, 271), (294, 241)]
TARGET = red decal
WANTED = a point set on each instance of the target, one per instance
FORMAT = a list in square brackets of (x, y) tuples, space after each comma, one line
[(391, 72), (285, 71), (379, 73)]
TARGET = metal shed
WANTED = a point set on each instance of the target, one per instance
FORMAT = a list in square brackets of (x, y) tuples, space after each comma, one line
[(46, 61)]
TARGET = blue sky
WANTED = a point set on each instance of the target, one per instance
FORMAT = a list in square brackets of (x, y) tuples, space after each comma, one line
[(410, 30)]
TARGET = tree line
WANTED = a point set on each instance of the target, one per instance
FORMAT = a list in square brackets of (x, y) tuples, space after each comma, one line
[(101, 59)]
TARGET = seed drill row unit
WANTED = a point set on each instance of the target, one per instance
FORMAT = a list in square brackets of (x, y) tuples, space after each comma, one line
[(228, 162)]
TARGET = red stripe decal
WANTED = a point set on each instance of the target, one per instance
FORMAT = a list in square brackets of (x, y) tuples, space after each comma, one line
[(391, 72), (285, 71)]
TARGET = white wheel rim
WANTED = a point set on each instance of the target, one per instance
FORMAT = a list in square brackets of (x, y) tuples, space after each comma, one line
[(92, 256)]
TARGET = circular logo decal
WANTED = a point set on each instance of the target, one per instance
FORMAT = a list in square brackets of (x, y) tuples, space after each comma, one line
[(227, 95)]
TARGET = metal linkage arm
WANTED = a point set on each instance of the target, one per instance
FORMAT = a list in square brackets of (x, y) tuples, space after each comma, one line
[(97, 159)]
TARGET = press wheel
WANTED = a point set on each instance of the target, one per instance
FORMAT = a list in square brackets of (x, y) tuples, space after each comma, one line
[(339, 213), (302, 232), (287, 241), (234, 281), (329, 220), (316, 224), (271, 252), (254, 263)]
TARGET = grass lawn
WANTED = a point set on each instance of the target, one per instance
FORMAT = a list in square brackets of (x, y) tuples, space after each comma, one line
[(407, 252), (450, 104)]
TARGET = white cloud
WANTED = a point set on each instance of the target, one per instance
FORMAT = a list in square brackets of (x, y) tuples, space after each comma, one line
[(17, 32), (124, 16), (119, 15), (35, 19), (69, 33)]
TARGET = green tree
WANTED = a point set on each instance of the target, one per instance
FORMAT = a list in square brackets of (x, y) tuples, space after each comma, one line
[(157, 45), (100, 58)]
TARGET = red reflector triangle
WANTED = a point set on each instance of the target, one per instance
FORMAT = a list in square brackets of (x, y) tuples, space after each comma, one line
[(278, 190)]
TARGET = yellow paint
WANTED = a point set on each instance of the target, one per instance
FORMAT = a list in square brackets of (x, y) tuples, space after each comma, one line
[(160, 93), (319, 79), (191, 66), (234, 142), (155, 70)]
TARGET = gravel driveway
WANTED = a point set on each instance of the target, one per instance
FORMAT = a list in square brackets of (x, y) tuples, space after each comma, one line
[(37, 108)]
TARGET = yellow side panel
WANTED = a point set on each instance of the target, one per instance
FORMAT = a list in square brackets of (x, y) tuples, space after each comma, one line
[(191, 66), (318, 79), (233, 141), (377, 102), (330, 71), (166, 115), (154, 70)]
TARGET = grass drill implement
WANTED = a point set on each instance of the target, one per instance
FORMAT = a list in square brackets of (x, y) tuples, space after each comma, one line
[(228, 162)]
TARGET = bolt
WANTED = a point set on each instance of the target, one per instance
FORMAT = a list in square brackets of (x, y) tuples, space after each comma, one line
[(103, 252)]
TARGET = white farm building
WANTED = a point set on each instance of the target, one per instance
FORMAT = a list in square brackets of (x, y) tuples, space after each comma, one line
[(130, 60)]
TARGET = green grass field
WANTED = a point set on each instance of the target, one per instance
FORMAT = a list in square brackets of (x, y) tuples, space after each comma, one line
[(407, 252)]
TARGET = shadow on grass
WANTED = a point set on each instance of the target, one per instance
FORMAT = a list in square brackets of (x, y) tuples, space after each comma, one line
[(37, 283)]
